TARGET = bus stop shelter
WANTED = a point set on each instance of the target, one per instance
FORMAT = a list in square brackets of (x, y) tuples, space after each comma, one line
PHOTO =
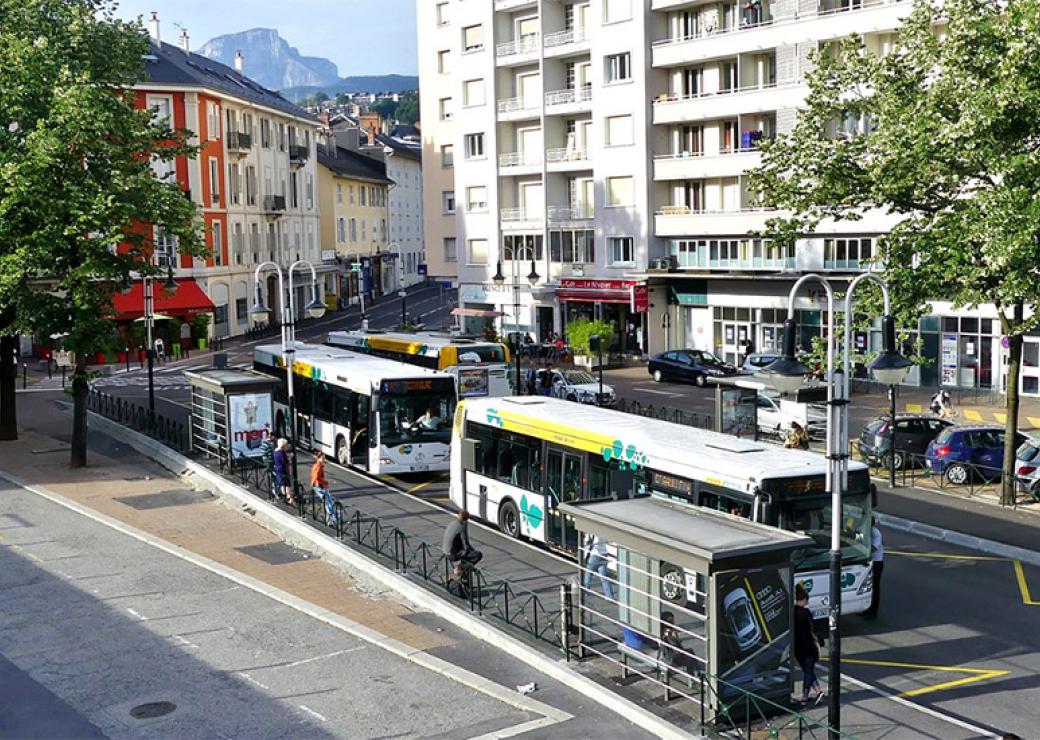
[(696, 600), (231, 412)]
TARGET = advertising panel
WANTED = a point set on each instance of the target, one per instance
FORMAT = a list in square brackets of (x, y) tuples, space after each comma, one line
[(473, 382), (249, 423), (754, 632), (738, 411)]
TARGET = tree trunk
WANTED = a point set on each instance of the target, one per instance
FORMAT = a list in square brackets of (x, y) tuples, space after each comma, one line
[(79, 412), (1007, 488), (8, 382)]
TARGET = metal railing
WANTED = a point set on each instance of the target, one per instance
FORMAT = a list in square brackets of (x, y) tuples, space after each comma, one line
[(298, 152), (516, 105), (581, 94), (562, 38), (570, 213), (519, 214), (171, 433), (274, 202), (566, 154), (261, 331), (519, 159), (239, 140), (522, 45), (665, 413)]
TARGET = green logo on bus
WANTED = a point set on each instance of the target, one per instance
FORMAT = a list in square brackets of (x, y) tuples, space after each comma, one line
[(628, 456), (531, 513), (847, 579), (494, 419)]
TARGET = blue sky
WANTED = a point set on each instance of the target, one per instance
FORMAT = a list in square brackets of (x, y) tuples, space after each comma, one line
[(361, 36)]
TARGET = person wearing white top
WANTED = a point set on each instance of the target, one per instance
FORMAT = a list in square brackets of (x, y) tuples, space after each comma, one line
[(877, 565), (597, 563)]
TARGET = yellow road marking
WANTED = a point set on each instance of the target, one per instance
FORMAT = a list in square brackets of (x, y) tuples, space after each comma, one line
[(758, 609), (972, 415), (1034, 420), (33, 556), (974, 674), (1023, 587), (913, 408), (419, 487), (1000, 416), (1020, 572)]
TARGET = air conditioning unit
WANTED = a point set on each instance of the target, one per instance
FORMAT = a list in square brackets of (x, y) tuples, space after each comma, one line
[(664, 264)]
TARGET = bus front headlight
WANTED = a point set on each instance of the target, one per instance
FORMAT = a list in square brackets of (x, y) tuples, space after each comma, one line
[(867, 584)]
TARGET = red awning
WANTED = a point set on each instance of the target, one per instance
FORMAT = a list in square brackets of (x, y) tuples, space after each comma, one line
[(477, 312), (593, 296), (189, 298)]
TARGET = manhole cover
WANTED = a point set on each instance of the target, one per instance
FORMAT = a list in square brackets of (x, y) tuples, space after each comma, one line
[(274, 553), (174, 497), (152, 709)]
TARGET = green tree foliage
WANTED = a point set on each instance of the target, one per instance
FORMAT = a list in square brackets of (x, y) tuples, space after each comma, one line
[(579, 331), (77, 190), (408, 108), (950, 147), (342, 99), (384, 107)]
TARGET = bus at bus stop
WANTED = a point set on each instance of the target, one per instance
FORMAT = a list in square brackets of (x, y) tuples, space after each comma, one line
[(514, 460), (368, 412), (481, 368)]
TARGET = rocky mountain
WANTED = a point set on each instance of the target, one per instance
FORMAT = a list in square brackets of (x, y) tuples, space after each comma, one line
[(270, 60)]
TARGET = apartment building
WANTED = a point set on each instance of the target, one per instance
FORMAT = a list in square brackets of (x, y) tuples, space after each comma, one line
[(254, 180), (403, 161)]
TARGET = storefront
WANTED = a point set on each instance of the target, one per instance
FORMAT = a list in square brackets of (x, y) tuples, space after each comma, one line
[(621, 303), (502, 309)]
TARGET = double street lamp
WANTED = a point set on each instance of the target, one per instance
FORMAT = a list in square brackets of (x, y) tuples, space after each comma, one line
[(532, 277), (149, 322), (260, 311), (787, 375)]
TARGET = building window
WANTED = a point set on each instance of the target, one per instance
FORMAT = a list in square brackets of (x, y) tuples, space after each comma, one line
[(474, 146), (339, 193), (250, 185), (350, 194), (450, 254), (214, 180), (618, 68), (218, 244), (212, 121), (165, 247), (442, 14), (847, 254), (443, 61), (473, 93), (163, 109), (234, 189), (353, 230), (575, 247), (472, 38), (447, 155), (476, 198), (619, 191), (444, 107), (448, 202), (522, 247), (620, 251), (363, 192), (619, 130), (241, 310), (265, 133), (220, 315), (617, 10), (341, 229), (477, 252)]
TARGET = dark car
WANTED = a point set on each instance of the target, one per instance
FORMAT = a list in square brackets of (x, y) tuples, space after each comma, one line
[(965, 452), (688, 365), (913, 433)]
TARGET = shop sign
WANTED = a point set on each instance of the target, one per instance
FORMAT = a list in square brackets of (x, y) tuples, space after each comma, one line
[(595, 284), (640, 298), (328, 255), (949, 359)]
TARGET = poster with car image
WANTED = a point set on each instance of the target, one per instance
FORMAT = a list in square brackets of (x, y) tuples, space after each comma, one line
[(473, 382), (753, 618)]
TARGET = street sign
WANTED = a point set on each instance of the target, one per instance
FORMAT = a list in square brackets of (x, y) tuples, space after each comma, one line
[(421, 269), (355, 267), (402, 293), (63, 358)]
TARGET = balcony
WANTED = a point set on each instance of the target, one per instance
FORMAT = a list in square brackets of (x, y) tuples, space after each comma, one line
[(521, 51), (567, 214), (502, 5), (298, 154), (569, 158), (695, 166), (239, 143), (680, 221), (670, 108), (520, 218), (571, 100), (518, 109), (520, 163), (561, 43), (274, 204), (669, 4)]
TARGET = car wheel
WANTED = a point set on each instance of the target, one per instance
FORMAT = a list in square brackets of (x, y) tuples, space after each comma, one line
[(509, 519), (700, 380), (571, 397), (342, 451), (673, 584), (957, 474), (658, 376), (900, 460)]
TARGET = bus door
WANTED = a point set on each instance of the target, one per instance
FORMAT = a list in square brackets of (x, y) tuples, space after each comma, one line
[(360, 428), (563, 482)]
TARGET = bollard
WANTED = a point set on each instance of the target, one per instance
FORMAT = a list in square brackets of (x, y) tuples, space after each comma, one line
[(565, 628), (25, 375), (126, 354), (62, 376)]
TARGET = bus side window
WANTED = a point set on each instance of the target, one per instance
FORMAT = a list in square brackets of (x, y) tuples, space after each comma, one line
[(342, 411), (324, 401), (487, 450)]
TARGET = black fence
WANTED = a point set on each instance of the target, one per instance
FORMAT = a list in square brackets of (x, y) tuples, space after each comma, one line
[(262, 331), (666, 413), (168, 431)]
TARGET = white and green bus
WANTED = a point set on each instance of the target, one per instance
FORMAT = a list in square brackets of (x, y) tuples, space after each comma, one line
[(368, 412), (482, 368), (514, 460)]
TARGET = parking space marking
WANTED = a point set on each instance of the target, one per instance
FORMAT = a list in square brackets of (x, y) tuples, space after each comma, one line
[(913, 408), (1000, 416), (655, 391), (972, 415), (974, 674), (1023, 587), (1020, 572)]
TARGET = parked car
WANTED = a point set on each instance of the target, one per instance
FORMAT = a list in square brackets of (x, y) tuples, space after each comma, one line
[(913, 433), (963, 452), (773, 419), (1027, 467), (690, 365), (757, 362), (580, 386)]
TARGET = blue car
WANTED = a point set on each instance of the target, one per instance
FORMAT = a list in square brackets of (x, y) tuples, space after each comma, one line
[(964, 452)]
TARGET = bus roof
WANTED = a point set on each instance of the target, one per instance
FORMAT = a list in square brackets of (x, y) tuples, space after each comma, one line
[(358, 372), (420, 343), (676, 449)]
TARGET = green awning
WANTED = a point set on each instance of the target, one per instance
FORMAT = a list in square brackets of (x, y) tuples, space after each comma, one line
[(689, 292)]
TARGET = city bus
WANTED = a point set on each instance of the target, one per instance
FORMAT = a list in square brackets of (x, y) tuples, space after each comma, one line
[(513, 460), (482, 368), (364, 411)]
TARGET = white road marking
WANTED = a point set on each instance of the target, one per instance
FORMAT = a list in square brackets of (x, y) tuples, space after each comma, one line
[(312, 713), (653, 390), (250, 679), (321, 657), (185, 642), (137, 614)]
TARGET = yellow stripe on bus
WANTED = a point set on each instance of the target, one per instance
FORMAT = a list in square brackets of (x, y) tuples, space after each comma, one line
[(561, 434)]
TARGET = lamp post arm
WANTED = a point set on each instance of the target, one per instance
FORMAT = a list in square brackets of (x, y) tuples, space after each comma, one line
[(314, 279)]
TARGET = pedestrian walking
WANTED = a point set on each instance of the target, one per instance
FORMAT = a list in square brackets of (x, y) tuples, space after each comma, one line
[(877, 567), (281, 458), (806, 651), (596, 548), (545, 383)]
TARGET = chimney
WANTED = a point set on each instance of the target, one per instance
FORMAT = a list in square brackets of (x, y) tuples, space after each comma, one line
[(185, 41), (240, 61), (154, 27)]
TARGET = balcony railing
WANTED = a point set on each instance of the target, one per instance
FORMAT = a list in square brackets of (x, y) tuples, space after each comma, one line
[(579, 212), (682, 210), (240, 141), (273, 203), (298, 153), (515, 105), (721, 152), (507, 215), (562, 38), (666, 98), (519, 159), (523, 45), (568, 154), (572, 95)]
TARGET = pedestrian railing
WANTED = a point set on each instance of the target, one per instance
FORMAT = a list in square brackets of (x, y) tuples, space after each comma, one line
[(262, 331), (666, 413), (168, 431)]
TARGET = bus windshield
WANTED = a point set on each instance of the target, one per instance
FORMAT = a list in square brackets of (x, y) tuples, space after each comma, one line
[(416, 416), (481, 353), (813, 517)]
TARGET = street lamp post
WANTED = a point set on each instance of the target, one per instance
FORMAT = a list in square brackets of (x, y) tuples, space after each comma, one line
[(149, 323), (360, 280), (315, 309), (786, 375), (532, 277)]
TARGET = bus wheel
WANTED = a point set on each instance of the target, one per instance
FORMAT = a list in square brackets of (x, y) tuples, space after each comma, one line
[(509, 519), (342, 451)]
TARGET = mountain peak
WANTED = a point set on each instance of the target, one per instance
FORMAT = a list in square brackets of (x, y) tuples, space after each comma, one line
[(270, 60)]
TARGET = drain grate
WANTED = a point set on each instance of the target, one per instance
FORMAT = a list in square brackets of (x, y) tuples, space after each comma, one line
[(274, 553), (152, 709), (173, 497)]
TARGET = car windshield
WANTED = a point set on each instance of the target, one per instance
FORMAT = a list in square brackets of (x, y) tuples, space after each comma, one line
[(875, 426), (705, 357), (944, 436), (578, 377), (1027, 452), (762, 360), (414, 417), (812, 516), (738, 612)]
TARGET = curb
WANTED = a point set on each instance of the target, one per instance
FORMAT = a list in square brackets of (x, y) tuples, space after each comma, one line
[(296, 530), (971, 542)]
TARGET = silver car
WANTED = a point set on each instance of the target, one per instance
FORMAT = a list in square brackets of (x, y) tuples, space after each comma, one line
[(580, 386), (1027, 467)]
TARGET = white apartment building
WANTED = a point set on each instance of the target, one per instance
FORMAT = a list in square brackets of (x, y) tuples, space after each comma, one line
[(549, 108), (405, 204)]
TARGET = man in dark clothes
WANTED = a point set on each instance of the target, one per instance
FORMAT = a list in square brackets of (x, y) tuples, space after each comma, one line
[(805, 650), (456, 543)]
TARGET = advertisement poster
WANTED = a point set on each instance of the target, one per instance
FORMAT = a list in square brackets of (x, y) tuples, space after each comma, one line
[(249, 420), (473, 382), (949, 359), (738, 412), (754, 632)]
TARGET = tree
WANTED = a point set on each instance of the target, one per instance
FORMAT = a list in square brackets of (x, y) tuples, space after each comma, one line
[(384, 107), (320, 97), (408, 108), (945, 136), (77, 189), (342, 99)]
